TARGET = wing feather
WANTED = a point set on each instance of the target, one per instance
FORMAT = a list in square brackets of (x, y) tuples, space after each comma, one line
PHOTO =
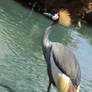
[(66, 62)]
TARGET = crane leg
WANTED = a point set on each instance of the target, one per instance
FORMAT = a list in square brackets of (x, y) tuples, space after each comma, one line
[(49, 86)]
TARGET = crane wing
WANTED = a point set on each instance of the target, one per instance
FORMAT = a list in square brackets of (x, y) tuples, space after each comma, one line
[(66, 62)]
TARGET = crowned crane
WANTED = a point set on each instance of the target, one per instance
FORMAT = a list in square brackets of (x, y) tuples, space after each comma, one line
[(62, 66)]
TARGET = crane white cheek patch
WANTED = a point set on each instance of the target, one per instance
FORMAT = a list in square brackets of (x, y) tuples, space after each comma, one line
[(55, 17)]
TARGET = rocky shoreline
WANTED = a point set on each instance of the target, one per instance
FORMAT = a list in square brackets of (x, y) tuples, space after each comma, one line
[(79, 9)]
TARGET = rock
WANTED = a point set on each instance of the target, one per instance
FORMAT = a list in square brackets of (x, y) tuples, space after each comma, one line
[(88, 18), (76, 8)]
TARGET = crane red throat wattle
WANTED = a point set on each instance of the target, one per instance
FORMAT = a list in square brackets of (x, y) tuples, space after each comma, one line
[(58, 13), (53, 23)]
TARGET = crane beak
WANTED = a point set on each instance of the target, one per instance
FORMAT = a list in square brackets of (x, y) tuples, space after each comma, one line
[(54, 17), (47, 14)]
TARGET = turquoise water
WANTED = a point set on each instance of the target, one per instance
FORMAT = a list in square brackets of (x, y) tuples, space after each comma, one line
[(22, 65)]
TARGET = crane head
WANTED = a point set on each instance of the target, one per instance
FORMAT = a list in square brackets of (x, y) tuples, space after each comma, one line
[(63, 17)]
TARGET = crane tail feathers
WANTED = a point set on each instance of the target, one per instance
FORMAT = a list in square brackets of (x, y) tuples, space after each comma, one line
[(63, 83), (78, 88)]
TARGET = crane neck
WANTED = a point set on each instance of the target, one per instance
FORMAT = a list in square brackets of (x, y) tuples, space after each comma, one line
[(45, 38)]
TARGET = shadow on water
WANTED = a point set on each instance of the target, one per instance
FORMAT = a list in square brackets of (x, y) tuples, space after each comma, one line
[(22, 65)]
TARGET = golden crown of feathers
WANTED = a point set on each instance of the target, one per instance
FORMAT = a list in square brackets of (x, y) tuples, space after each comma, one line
[(64, 18)]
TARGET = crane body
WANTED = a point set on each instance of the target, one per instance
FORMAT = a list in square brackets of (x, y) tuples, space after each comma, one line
[(62, 66)]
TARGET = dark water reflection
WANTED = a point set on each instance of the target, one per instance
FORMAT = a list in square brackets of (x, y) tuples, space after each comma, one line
[(22, 66)]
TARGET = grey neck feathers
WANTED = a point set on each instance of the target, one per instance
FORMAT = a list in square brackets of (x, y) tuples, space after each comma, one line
[(45, 38)]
